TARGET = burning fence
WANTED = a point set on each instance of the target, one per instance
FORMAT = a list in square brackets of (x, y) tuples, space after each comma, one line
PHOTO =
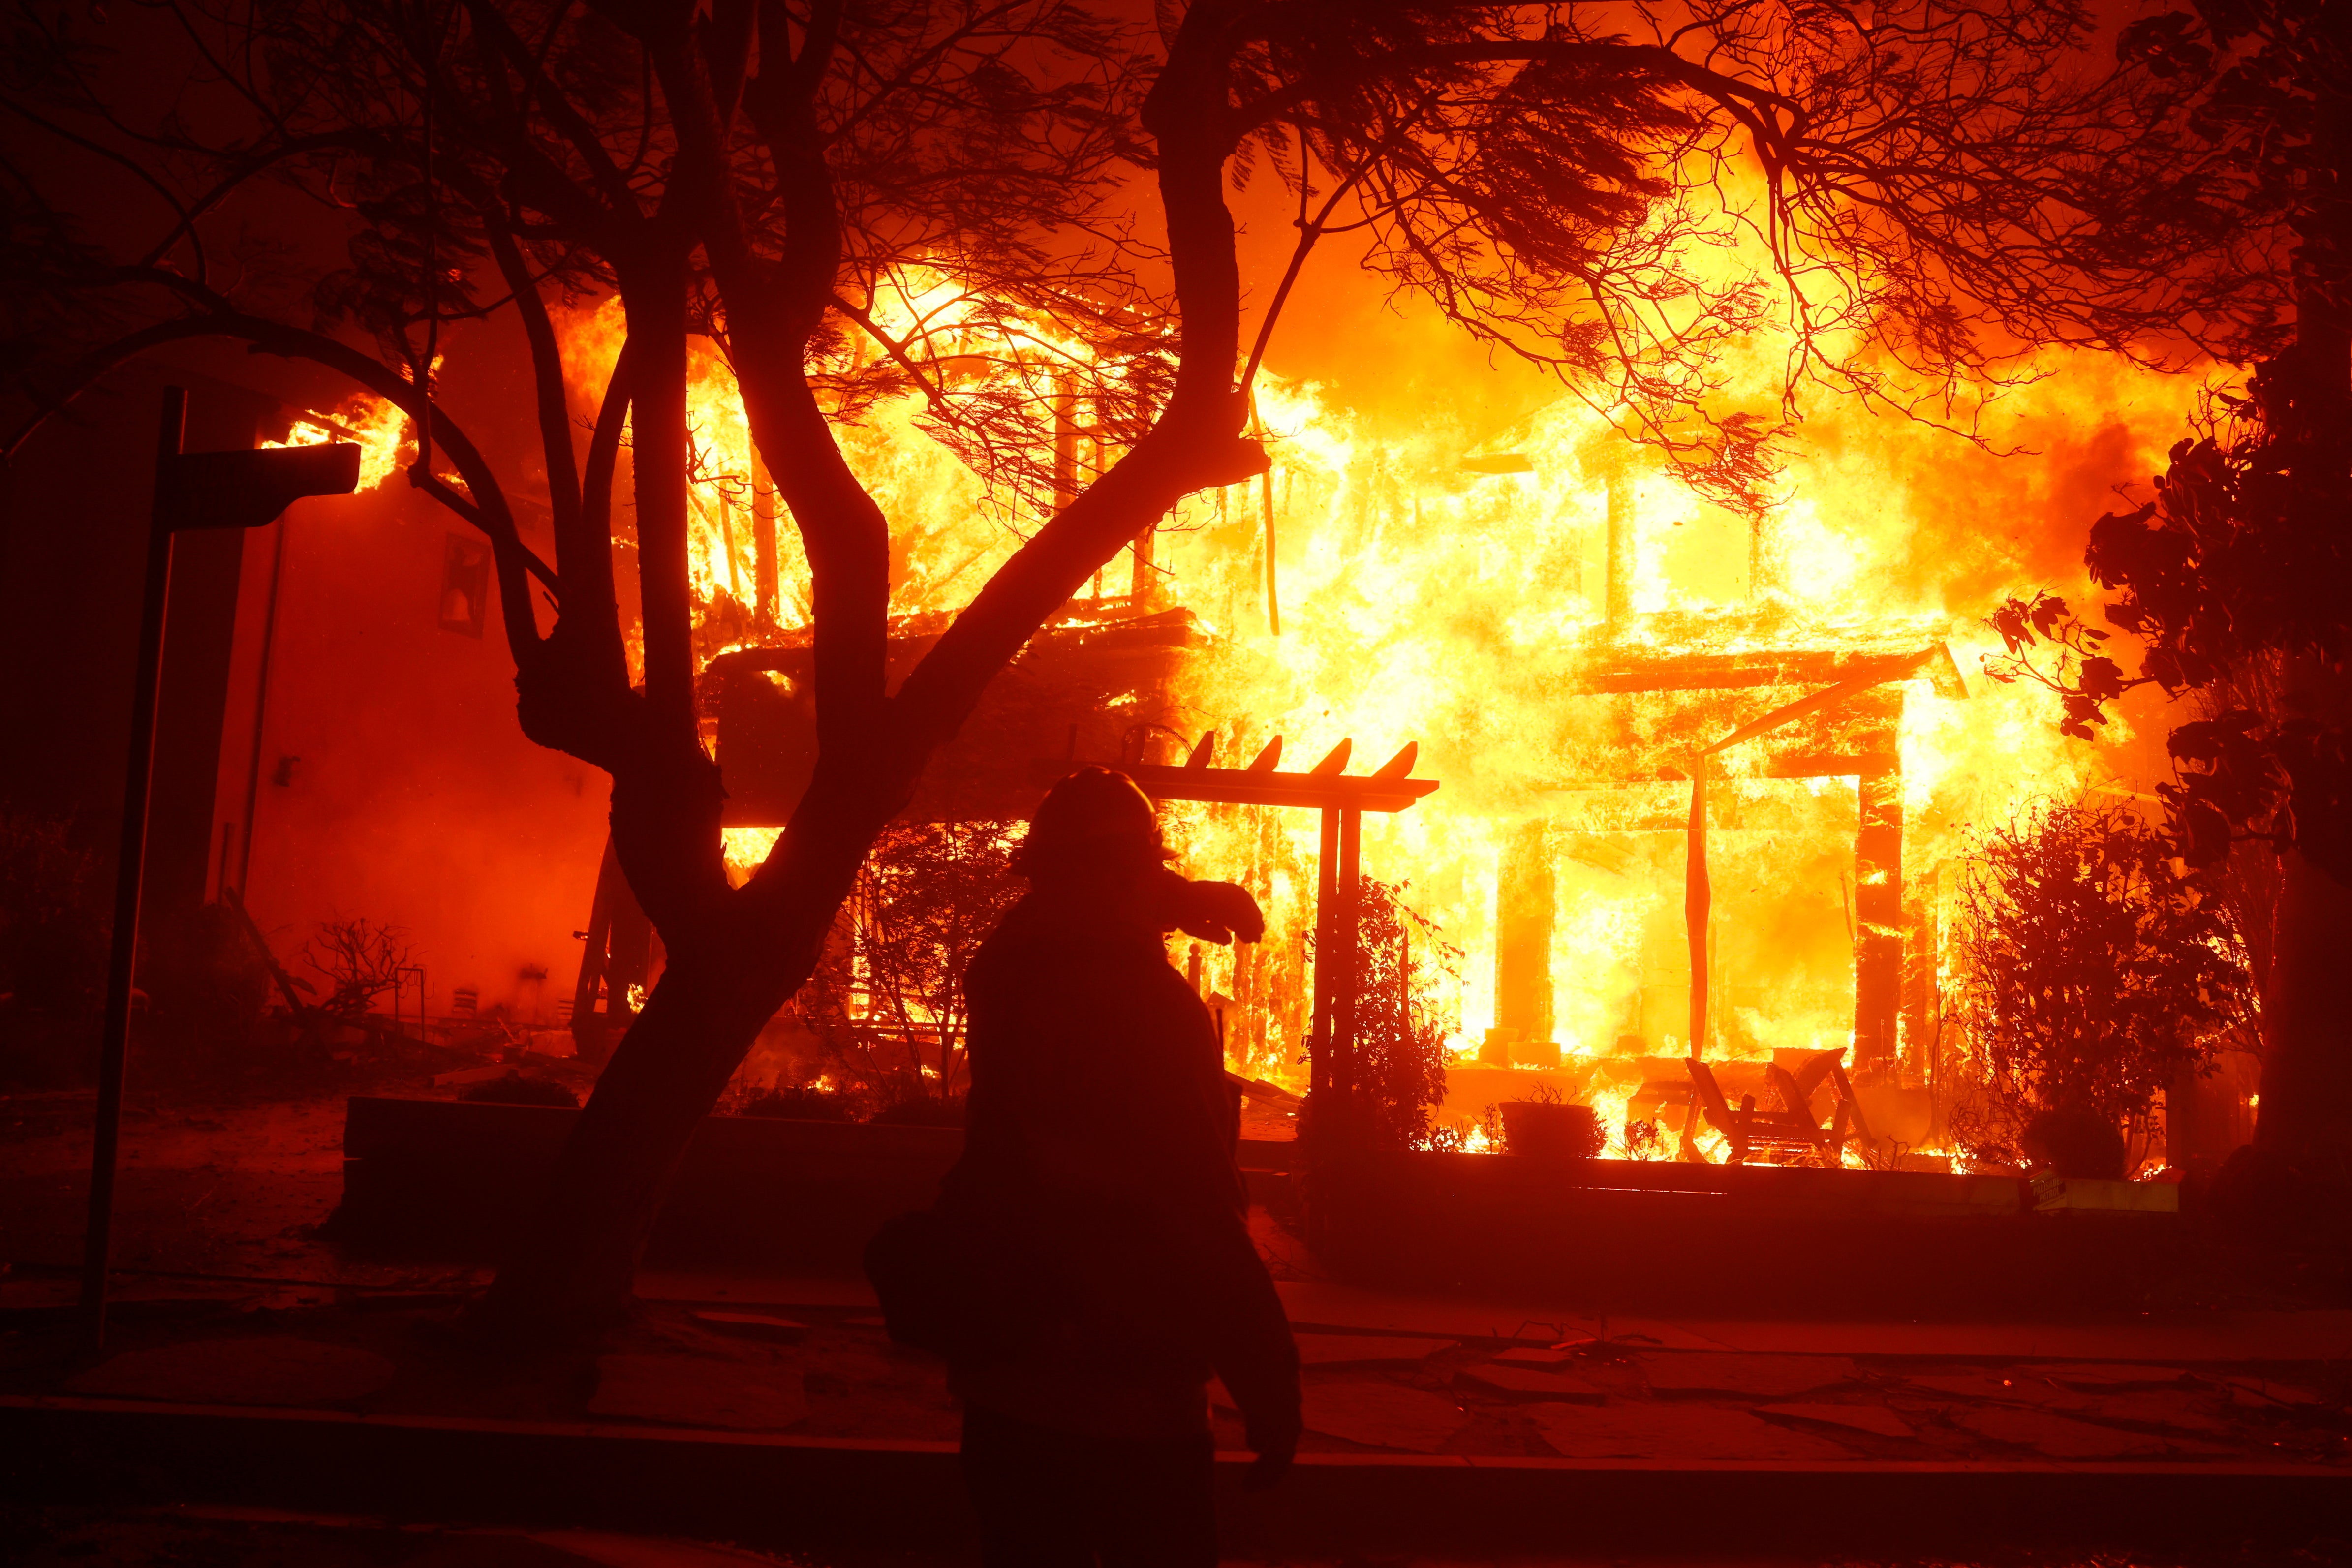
[(1569, 636)]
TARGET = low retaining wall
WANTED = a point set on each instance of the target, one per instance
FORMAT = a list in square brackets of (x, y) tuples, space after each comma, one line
[(446, 1178), (1751, 1238), (449, 1179)]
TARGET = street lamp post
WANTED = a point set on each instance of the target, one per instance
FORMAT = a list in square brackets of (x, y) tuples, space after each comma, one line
[(193, 490)]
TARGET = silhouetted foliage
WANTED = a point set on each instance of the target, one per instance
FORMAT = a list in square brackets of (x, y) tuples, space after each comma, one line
[(1400, 1034), (2242, 564), (2095, 969), (892, 993), (803, 1103), (1546, 1125), (2075, 1141), (514, 1089)]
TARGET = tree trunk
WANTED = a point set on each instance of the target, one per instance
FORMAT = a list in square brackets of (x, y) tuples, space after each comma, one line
[(2306, 1028), (2306, 1096), (569, 1272), (736, 955)]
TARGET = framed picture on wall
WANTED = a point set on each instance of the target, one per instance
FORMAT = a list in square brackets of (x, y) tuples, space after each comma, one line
[(464, 585)]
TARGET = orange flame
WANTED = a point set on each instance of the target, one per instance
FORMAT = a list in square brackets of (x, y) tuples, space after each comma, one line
[(1454, 586), (386, 443)]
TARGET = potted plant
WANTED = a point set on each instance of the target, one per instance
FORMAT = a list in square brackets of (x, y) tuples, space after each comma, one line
[(1547, 1126)]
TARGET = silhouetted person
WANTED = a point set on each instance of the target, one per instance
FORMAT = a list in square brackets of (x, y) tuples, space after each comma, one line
[(1099, 1184)]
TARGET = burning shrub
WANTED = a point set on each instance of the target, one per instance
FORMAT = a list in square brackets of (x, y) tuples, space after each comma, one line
[(1645, 1142), (1399, 1038), (888, 999), (803, 1103), (2097, 968), (918, 1109)]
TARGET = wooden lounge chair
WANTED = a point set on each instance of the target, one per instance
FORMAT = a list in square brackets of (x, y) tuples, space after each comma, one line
[(1855, 1122), (1750, 1129), (1813, 1072), (1796, 1098)]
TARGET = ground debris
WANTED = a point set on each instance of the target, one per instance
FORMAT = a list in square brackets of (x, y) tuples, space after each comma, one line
[(1526, 1383), (2056, 1436), (1646, 1429), (1758, 1376), (1875, 1420)]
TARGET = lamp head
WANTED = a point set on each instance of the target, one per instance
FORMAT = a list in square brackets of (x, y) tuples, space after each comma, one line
[(249, 489)]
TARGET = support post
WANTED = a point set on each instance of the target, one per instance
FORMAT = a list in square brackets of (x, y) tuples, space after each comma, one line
[(208, 490), (1066, 444), (1327, 874), (619, 955), (1273, 595), (114, 1038), (1698, 905), (260, 715), (1878, 923), (1346, 960)]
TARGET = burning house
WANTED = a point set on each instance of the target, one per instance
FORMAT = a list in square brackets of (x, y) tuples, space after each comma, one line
[(1564, 634), (1567, 637), (577, 570)]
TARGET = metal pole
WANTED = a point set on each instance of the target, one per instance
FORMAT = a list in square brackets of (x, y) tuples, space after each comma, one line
[(130, 867), (260, 711)]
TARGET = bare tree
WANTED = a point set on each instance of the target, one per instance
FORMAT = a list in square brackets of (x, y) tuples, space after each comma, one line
[(359, 960), (1618, 194)]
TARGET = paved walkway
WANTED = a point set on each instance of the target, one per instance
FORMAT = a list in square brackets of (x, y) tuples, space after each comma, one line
[(1385, 1374)]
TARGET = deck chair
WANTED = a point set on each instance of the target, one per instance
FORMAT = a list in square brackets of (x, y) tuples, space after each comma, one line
[(1794, 1099), (1855, 1121), (1814, 1071), (1748, 1128)]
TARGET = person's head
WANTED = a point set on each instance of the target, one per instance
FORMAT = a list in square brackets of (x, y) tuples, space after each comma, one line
[(1094, 831)]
